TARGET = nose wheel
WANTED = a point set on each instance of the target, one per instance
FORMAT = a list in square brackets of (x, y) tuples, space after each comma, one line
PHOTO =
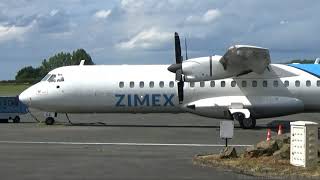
[(245, 123), (49, 121)]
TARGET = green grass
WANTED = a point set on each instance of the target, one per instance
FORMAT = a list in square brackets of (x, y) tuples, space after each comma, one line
[(12, 89)]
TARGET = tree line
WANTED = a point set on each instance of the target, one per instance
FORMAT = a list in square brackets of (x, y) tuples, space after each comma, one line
[(31, 74)]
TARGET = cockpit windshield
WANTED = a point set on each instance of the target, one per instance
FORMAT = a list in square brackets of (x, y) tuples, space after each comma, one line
[(46, 77), (54, 78)]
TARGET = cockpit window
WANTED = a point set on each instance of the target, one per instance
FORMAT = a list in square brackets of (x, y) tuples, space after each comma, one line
[(56, 78), (46, 77), (52, 78), (60, 78)]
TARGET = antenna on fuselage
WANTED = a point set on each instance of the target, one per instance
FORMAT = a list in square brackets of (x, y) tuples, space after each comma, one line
[(185, 44)]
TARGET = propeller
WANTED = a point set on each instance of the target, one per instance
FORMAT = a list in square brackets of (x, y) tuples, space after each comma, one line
[(177, 67)]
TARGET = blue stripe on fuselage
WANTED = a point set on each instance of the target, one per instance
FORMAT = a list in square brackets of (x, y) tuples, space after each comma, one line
[(313, 69)]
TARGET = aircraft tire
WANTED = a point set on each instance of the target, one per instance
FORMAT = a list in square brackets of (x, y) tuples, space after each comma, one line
[(16, 119), (49, 121), (248, 123), (239, 117)]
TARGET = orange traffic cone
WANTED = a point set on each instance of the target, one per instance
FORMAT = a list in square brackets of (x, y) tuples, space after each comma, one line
[(279, 129), (269, 135)]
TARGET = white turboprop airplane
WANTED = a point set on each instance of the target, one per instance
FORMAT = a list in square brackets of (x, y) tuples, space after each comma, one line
[(242, 85)]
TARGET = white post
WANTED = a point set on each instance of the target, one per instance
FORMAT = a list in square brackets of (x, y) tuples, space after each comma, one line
[(304, 143), (226, 130)]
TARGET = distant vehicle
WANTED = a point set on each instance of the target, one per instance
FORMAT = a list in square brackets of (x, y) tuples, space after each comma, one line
[(11, 109)]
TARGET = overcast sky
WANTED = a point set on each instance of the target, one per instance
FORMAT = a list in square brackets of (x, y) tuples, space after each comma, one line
[(141, 31)]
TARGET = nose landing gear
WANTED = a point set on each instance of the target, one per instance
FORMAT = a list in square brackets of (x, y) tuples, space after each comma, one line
[(49, 121), (50, 117), (245, 123)]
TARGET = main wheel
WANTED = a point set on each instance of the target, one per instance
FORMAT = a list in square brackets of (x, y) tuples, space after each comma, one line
[(16, 119), (248, 123), (49, 121), (239, 117)]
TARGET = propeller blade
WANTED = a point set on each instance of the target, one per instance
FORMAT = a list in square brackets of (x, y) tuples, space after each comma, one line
[(180, 91), (177, 68), (177, 48)]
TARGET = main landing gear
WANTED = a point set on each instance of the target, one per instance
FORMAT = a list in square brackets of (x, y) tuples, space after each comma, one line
[(245, 123)]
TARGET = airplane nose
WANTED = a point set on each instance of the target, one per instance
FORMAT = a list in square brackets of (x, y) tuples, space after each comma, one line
[(25, 97)]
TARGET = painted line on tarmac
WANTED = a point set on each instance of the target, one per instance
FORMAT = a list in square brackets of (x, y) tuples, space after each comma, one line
[(121, 144)]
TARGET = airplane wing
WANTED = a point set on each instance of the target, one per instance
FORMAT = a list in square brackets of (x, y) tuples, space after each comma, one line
[(245, 59)]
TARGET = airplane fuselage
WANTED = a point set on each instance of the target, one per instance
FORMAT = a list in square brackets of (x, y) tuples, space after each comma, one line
[(280, 90)]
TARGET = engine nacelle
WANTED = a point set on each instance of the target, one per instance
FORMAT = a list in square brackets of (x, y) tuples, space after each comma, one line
[(206, 68), (238, 60)]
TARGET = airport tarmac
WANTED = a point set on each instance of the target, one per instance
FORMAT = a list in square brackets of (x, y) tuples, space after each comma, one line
[(121, 146)]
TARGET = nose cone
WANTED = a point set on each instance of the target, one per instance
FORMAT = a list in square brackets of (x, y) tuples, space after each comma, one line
[(25, 97)]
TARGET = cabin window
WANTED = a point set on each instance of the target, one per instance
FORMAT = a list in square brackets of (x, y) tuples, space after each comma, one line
[(171, 84), (121, 84), (286, 83), (212, 83), (233, 83), (308, 83), (275, 83), (151, 84), (141, 84), (191, 84), (131, 84), (318, 83), (202, 84), (254, 83), (161, 84), (223, 84), (265, 83), (244, 83), (297, 83)]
